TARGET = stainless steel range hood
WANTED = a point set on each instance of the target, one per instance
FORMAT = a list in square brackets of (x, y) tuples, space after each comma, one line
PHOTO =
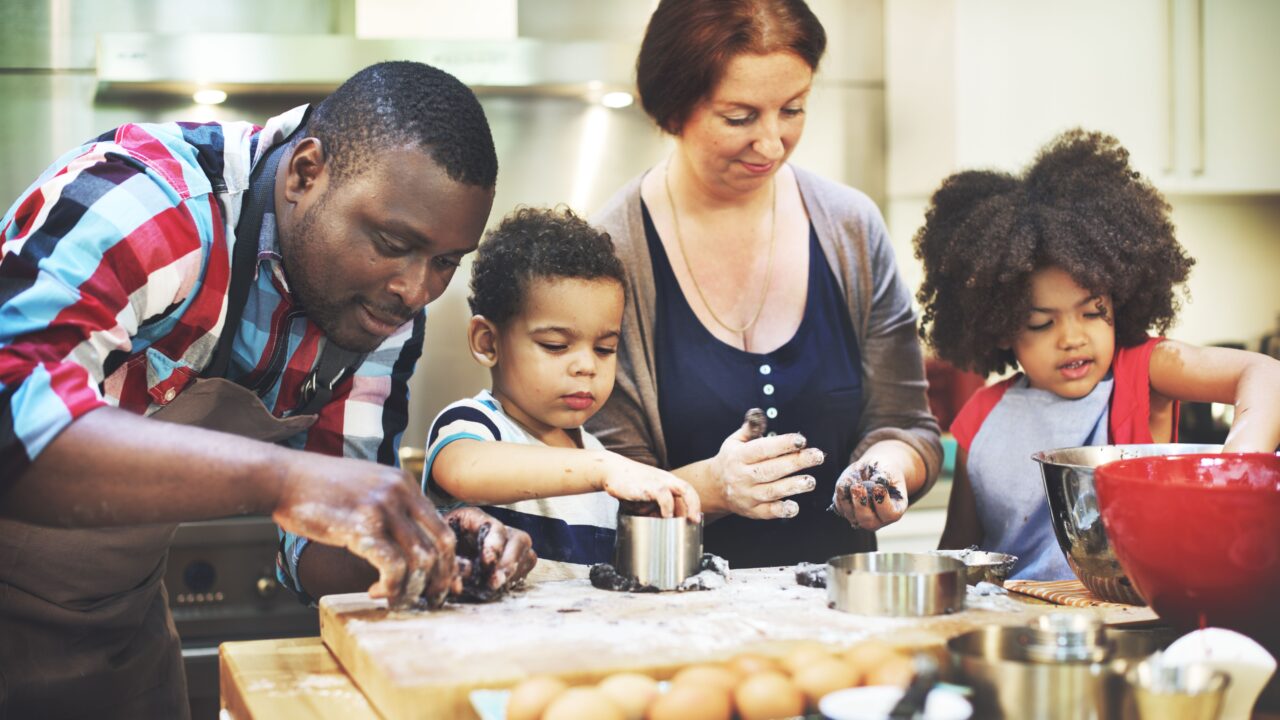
[(133, 64)]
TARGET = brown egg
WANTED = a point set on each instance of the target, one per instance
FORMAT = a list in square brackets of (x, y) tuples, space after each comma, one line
[(804, 655), (692, 702), (867, 656), (713, 675), (751, 663), (632, 692), (532, 696), (767, 696), (823, 677), (895, 670), (582, 703)]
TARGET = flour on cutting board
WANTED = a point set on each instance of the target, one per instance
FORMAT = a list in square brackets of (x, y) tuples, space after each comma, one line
[(569, 627)]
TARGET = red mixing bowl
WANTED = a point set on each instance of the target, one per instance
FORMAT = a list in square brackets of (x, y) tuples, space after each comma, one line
[(1199, 535)]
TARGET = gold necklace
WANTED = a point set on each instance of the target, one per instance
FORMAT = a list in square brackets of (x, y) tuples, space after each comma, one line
[(768, 268)]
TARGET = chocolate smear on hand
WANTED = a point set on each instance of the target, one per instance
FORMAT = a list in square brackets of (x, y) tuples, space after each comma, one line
[(476, 573), (756, 423)]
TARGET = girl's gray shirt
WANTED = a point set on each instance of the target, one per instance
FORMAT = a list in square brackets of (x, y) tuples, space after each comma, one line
[(857, 248)]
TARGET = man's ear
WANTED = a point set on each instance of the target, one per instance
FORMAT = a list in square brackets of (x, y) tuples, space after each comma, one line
[(482, 338), (306, 169)]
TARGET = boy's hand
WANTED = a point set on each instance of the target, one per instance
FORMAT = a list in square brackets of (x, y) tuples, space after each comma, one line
[(633, 482), (756, 473)]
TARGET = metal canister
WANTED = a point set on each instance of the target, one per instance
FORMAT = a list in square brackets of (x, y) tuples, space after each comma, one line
[(895, 584), (661, 552)]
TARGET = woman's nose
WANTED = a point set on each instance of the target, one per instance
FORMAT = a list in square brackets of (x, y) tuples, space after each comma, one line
[(769, 143)]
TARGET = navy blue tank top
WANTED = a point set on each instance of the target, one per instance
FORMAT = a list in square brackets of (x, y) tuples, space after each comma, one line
[(811, 385)]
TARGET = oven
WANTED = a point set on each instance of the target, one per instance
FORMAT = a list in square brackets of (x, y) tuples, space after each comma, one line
[(222, 586)]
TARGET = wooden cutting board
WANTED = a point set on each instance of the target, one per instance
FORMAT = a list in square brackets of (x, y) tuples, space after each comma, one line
[(420, 664)]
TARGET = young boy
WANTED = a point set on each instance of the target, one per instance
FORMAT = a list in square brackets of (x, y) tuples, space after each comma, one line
[(547, 300)]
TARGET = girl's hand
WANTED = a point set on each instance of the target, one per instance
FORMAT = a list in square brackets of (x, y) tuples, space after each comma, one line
[(642, 487), (871, 494), (755, 474)]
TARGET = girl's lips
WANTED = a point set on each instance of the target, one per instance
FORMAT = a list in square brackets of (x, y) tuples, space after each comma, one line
[(579, 401), (1075, 369)]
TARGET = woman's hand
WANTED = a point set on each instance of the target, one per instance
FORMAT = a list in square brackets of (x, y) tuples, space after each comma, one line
[(642, 487), (871, 494), (755, 473), (489, 549)]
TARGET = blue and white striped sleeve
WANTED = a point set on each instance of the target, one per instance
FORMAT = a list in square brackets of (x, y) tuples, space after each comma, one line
[(464, 420)]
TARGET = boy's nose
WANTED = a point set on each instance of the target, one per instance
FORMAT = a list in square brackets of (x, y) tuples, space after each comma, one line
[(583, 365)]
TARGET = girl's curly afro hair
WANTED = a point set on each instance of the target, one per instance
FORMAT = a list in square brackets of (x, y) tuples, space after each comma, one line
[(1078, 207), (536, 243)]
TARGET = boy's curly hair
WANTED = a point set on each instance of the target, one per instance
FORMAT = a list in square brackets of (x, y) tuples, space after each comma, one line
[(536, 243), (1078, 207)]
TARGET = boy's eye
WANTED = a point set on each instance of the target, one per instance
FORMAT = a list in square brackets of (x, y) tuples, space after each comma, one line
[(793, 111), (606, 350)]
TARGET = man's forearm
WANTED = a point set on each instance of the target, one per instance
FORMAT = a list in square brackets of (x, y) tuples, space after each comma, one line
[(112, 467)]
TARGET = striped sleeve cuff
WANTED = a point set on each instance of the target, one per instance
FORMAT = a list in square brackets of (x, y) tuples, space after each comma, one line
[(459, 422)]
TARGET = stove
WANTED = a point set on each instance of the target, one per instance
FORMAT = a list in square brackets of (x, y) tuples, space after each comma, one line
[(222, 586)]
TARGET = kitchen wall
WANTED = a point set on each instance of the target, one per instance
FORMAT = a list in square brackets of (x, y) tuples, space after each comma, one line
[(982, 83)]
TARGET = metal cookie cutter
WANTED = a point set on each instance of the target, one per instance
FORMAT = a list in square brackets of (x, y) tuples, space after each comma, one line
[(895, 584), (661, 552)]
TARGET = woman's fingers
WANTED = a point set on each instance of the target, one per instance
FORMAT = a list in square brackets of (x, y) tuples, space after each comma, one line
[(766, 448)]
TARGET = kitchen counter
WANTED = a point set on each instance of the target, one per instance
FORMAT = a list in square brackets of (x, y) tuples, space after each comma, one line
[(423, 661)]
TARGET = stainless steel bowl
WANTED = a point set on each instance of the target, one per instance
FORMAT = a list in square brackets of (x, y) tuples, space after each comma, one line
[(1073, 507), (1012, 677), (661, 552), (895, 584), (982, 566)]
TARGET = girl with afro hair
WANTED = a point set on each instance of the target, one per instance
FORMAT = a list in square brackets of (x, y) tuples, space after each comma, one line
[(1060, 273)]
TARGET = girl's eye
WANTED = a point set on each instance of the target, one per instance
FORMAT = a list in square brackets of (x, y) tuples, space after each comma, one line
[(553, 347), (1042, 326), (1094, 315)]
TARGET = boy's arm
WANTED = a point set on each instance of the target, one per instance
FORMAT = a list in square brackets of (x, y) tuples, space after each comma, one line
[(1250, 381), (963, 528), (499, 473)]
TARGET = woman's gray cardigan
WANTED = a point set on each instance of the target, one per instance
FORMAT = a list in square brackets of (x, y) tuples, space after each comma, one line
[(856, 244)]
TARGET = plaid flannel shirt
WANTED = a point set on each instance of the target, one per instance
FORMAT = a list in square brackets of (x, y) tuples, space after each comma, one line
[(114, 274)]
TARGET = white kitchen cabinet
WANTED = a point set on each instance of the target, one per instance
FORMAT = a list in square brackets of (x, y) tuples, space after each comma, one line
[(1184, 84)]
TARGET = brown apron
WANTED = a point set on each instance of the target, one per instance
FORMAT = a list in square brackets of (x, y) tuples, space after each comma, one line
[(85, 629)]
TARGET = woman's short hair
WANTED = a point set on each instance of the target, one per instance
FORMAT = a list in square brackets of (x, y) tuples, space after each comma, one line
[(689, 43)]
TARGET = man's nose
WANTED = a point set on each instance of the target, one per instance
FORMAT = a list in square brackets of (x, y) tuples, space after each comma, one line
[(416, 285)]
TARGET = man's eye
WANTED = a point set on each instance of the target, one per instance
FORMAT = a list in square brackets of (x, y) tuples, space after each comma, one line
[(391, 246), (446, 263)]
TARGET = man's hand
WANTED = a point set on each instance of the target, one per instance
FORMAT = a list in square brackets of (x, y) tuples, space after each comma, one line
[(755, 474), (642, 487), (490, 554), (376, 514)]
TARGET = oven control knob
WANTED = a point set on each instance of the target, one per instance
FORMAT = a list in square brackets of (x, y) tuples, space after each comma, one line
[(199, 576), (266, 586)]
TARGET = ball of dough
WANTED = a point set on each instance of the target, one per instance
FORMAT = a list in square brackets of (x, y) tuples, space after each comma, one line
[(692, 702), (532, 696), (631, 692), (582, 703), (823, 677), (767, 696)]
